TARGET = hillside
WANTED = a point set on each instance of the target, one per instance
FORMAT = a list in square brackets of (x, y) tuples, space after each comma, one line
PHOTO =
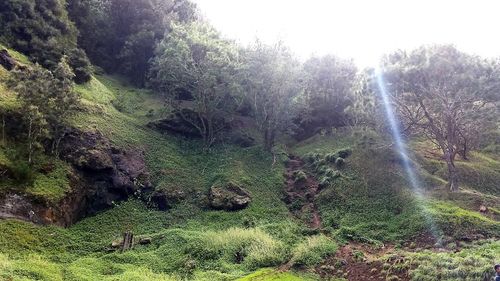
[(365, 208), (138, 143)]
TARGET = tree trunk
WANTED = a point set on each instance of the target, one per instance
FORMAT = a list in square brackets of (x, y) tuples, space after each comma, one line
[(3, 129), (30, 141), (268, 139), (452, 173), (464, 151)]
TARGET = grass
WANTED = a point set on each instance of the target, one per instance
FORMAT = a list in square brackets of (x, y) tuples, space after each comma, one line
[(273, 275), (313, 250), (364, 198), (459, 222), (190, 241), (472, 263), (46, 180), (371, 200)]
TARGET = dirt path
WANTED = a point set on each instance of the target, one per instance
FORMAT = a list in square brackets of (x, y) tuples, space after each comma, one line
[(300, 194)]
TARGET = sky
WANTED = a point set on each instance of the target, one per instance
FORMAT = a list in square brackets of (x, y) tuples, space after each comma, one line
[(359, 29)]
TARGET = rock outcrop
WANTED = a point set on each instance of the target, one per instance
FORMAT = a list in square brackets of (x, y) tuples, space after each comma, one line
[(6, 60), (229, 197), (177, 124), (101, 175)]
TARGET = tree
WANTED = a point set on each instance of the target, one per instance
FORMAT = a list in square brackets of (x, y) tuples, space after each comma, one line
[(328, 83), (80, 65), (121, 35), (271, 79), (42, 30), (194, 59), (47, 101), (441, 92), (63, 101), (363, 105)]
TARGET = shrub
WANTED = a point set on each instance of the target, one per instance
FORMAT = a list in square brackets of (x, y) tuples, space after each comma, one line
[(80, 64), (331, 157), (324, 182), (344, 153), (340, 162), (22, 173), (299, 176), (313, 250)]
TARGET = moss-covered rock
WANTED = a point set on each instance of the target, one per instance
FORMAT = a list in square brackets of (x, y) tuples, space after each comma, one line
[(229, 197)]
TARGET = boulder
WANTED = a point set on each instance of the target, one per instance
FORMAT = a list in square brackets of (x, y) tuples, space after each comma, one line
[(177, 124), (93, 159), (6, 60), (145, 240), (229, 197), (483, 209), (163, 199)]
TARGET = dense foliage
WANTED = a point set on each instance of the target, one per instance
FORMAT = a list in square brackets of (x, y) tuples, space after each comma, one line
[(193, 59), (271, 79), (47, 101), (121, 35), (42, 30), (446, 95), (305, 141)]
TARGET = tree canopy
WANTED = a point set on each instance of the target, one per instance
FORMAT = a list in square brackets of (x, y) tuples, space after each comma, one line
[(444, 94)]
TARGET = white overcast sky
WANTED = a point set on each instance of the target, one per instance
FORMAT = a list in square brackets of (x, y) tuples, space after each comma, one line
[(359, 29)]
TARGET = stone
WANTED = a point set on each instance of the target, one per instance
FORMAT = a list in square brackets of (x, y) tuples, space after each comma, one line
[(163, 199), (6, 60), (177, 124), (483, 209), (116, 243), (229, 197), (145, 240)]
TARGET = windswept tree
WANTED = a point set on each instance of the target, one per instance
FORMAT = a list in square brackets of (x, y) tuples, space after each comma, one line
[(194, 59), (271, 80), (443, 94)]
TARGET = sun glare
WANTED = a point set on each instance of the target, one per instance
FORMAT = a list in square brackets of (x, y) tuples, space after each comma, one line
[(359, 29)]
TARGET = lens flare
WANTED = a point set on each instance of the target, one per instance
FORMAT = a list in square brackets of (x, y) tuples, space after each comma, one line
[(401, 148)]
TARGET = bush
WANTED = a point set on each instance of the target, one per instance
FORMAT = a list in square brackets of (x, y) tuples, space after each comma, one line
[(340, 162), (344, 153), (312, 157), (299, 176), (313, 250), (80, 64), (331, 157), (22, 173)]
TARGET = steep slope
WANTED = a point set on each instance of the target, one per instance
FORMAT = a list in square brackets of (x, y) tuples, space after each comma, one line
[(368, 203), (190, 240), (370, 219)]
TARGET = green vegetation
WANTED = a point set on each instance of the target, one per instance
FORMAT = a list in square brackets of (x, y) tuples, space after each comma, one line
[(317, 148), (273, 275), (313, 250), (42, 31), (367, 202), (472, 263)]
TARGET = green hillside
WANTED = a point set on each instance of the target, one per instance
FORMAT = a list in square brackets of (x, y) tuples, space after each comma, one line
[(231, 162)]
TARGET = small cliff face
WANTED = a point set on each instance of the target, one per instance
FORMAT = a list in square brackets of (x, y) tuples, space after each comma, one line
[(101, 174)]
